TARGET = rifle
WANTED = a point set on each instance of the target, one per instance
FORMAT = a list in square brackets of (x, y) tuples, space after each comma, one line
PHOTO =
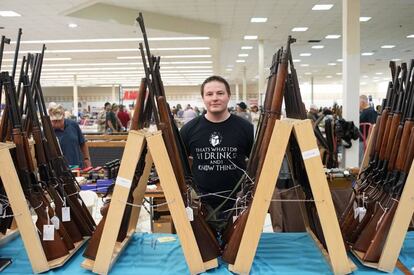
[(48, 179), (56, 248), (234, 231), (205, 238), (68, 186)]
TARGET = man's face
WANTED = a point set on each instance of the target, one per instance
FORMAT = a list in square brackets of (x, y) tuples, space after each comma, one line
[(215, 97), (58, 124), (108, 108)]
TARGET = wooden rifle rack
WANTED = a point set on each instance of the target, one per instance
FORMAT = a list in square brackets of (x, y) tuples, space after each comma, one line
[(399, 226), (23, 218), (109, 250), (303, 131)]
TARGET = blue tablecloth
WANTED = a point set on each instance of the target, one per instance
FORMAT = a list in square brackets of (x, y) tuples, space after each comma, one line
[(278, 253)]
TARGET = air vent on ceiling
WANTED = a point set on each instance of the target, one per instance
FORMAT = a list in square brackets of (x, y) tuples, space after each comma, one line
[(314, 41)]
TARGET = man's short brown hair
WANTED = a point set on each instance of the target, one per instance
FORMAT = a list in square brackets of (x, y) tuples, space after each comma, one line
[(218, 79)]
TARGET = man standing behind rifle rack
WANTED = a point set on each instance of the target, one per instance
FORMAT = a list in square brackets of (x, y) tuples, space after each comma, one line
[(219, 144)]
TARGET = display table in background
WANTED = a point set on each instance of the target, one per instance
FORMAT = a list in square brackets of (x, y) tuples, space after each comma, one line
[(278, 253)]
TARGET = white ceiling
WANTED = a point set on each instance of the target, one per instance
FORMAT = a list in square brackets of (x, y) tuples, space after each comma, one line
[(222, 24)]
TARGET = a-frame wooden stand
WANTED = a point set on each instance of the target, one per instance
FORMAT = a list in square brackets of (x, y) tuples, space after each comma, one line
[(23, 218), (109, 250), (277, 147), (399, 226)]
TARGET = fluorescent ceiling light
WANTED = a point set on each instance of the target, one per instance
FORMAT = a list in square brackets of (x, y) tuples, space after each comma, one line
[(379, 73), (332, 36), (250, 37), (44, 59), (229, 69), (363, 83), (304, 65), (230, 65), (338, 73), (247, 47), (296, 60), (97, 40), (387, 46), (367, 54), (322, 7), (9, 14), (396, 59), (112, 50), (169, 56), (243, 55), (365, 76), (329, 76), (258, 19), (340, 60), (240, 61), (300, 29), (332, 64), (318, 47), (308, 73), (305, 54), (410, 36), (72, 25), (364, 18)]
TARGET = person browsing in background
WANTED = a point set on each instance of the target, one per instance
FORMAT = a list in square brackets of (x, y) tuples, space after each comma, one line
[(101, 119), (123, 116), (241, 111), (219, 143), (110, 120), (189, 114), (71, 140), (367, 114), (255, 114), (313, 113)]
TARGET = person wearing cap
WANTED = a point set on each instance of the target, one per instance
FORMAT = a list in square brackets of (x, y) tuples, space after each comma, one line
[(219, 143), (71, 140), (241, 111)]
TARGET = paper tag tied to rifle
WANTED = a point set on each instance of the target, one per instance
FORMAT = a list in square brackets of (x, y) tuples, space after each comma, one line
[(355, 207), (65, 214), (190, 213), (48, 232), (55, 221), (362, 211)]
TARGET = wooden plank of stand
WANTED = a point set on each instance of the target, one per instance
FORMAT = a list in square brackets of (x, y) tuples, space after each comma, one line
[(262, 198), (139, 192), (321, 194), (175, 203), (119, 247), (132, 153), (28, 230), (399, 226)]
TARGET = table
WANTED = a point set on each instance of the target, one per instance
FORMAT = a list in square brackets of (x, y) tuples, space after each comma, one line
[(278, 253)]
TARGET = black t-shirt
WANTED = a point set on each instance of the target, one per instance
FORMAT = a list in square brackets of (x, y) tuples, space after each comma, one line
[(214, 146)]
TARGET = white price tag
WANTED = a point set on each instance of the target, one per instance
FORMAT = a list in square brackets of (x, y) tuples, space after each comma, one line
[(1, 209), (190, 213), (311, 154), (234, 218), (80, 201), (362, 212), (356, 213), (48, 232), (55, 221), (123, 182), (65, 214)]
